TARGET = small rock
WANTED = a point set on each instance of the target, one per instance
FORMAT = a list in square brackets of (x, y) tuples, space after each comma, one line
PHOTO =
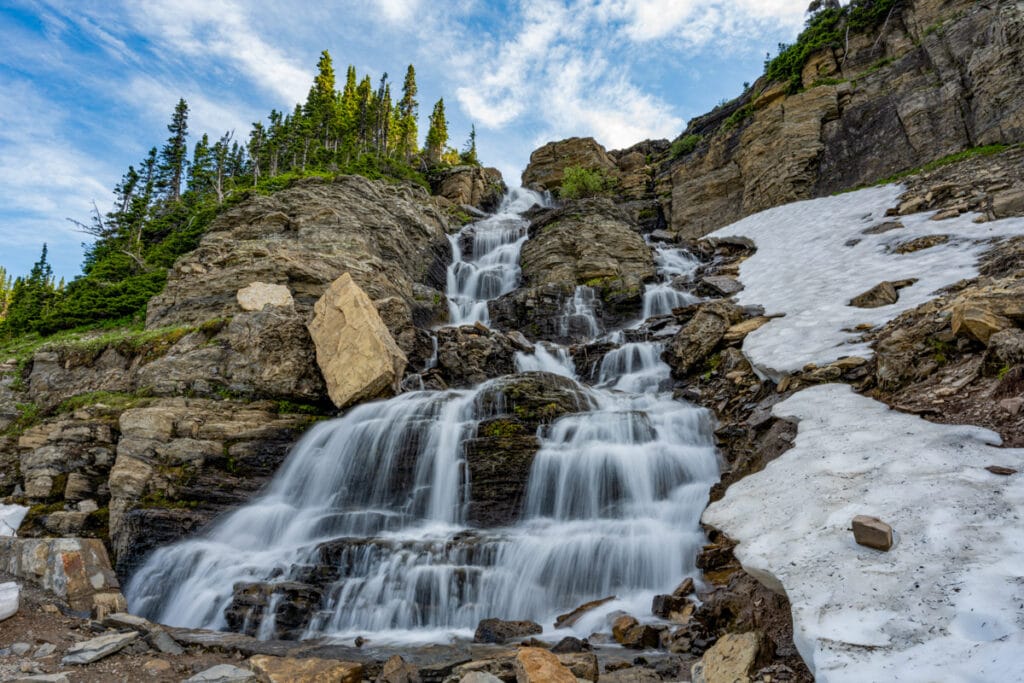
[(569, 619), (872, 532), (95, 649), (223, 673), (162, 641), (41, 678), (397, 671), (260, 294), (1001, 471), (684, 589), (534, 665), (306, 670), (663, 605), (570, 644), (882, 294), (123, 621), (882, 228), (20, 648), (722, 285), (500, 631), (157, 667), (1012, 405), (479, 677), (44, 650)]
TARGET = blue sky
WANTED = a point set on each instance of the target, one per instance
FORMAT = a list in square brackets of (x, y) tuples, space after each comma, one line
[(87, 86)]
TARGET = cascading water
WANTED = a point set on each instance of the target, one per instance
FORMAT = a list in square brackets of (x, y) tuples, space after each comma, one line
[(492, 266), (374, 504), (673, 264)]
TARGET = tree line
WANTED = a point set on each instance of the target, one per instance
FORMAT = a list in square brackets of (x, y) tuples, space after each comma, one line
[(163, 204)]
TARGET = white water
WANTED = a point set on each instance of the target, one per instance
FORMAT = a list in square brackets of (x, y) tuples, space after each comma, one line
[(612, 506), (492, 267), (673, 264), (579, 316)]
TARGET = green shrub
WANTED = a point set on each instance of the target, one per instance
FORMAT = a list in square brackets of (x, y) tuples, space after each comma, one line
[(685, 145), (579, 182)]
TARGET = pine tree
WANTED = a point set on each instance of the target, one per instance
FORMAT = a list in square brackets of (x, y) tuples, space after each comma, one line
[(437, 134), (200, 171), (469, 155), (222, 163), (408, 111), (6, 284), (173, 156), (257, 138), (31, 297)]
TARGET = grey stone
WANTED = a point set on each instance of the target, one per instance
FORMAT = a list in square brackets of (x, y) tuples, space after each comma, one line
[(222, 673), (93, 650), (44, 650), (20, 648), (162, 641)]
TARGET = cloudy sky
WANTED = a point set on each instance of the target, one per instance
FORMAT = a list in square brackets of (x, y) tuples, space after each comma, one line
[(87, 86)]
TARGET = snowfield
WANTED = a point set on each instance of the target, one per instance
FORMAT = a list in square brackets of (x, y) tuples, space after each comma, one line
[(807, 268), (946, 603)]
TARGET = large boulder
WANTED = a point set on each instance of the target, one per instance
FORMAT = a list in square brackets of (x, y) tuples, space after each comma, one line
[(481, 188), (982, 312), (534, 665), (354, 349), (501, 631), (700, 336), (546, 169)]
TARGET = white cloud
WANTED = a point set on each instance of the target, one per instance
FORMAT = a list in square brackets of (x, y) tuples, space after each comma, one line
[(399, 10), (696, 22)]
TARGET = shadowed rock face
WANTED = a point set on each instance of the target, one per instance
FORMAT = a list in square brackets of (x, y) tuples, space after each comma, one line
[(390, 238), (481, 188), (941, 77)]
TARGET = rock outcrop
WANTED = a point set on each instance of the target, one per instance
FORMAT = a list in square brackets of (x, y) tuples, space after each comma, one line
[(546, 169), (354, 349), (473, 186), (390, 238), (937, 78)]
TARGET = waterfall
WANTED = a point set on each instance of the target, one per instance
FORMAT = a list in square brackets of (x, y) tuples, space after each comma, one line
[(673, 264), (579, 316), (372, 506), (491, 268)]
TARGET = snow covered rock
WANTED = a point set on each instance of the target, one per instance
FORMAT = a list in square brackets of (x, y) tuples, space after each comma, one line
[(11, 517), (945, 603), (843, 252), (9, 599)]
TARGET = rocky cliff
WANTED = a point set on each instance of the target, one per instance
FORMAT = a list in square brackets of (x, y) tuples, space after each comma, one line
[(938, 77)]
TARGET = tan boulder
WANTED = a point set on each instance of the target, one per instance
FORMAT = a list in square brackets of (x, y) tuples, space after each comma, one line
[(732, 659), (982, 313), (872, 532), (534, 665), (306, 670), (260, 294), (354, 349)]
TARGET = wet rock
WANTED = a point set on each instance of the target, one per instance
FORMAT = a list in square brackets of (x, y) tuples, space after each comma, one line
[(570, 644), (534, 665), (735, 657), (223, 673), (294, 604), (700, 335), (260, 294), (570, 618), (93, 650), (306, 670), (500, 631), (396, 670), (583, 665), (719, 285), (684, 589), (469, 355), (354, 349), (872, 532), (546, 169), (665, 605)]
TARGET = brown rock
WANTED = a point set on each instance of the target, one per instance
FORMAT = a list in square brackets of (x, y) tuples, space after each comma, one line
[(684, 589), (740, 330), (570, 618), (500, 631), (872, 532), (981, 313), (700, 335), (534, 665), (308, 670), (481, 188), (664, 605), (548, 163), (1001, 471), (396, 670), (882, 294), (354, 349)]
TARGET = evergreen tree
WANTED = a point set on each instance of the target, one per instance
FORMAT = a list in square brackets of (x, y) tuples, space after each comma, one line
[(31, 297), (173, 156), (469, 155), (200, 171), (257, 138), (407, 112), (6, 285), (437, 134), (222, 163)]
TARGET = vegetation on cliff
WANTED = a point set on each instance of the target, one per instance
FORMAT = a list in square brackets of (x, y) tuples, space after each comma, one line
[(163, 205)]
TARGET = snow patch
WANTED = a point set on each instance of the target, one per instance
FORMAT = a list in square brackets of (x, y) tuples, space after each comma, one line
[(808, 268), (9, 599), (946, 603), (11, 517)]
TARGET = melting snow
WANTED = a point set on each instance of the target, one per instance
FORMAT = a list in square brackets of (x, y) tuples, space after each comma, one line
[(804, 269), (946, 603)]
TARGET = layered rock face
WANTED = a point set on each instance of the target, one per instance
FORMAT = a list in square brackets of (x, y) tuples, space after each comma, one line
[(546, 170), (939, 78), (390, 238), (479, 188), (590, 243)]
